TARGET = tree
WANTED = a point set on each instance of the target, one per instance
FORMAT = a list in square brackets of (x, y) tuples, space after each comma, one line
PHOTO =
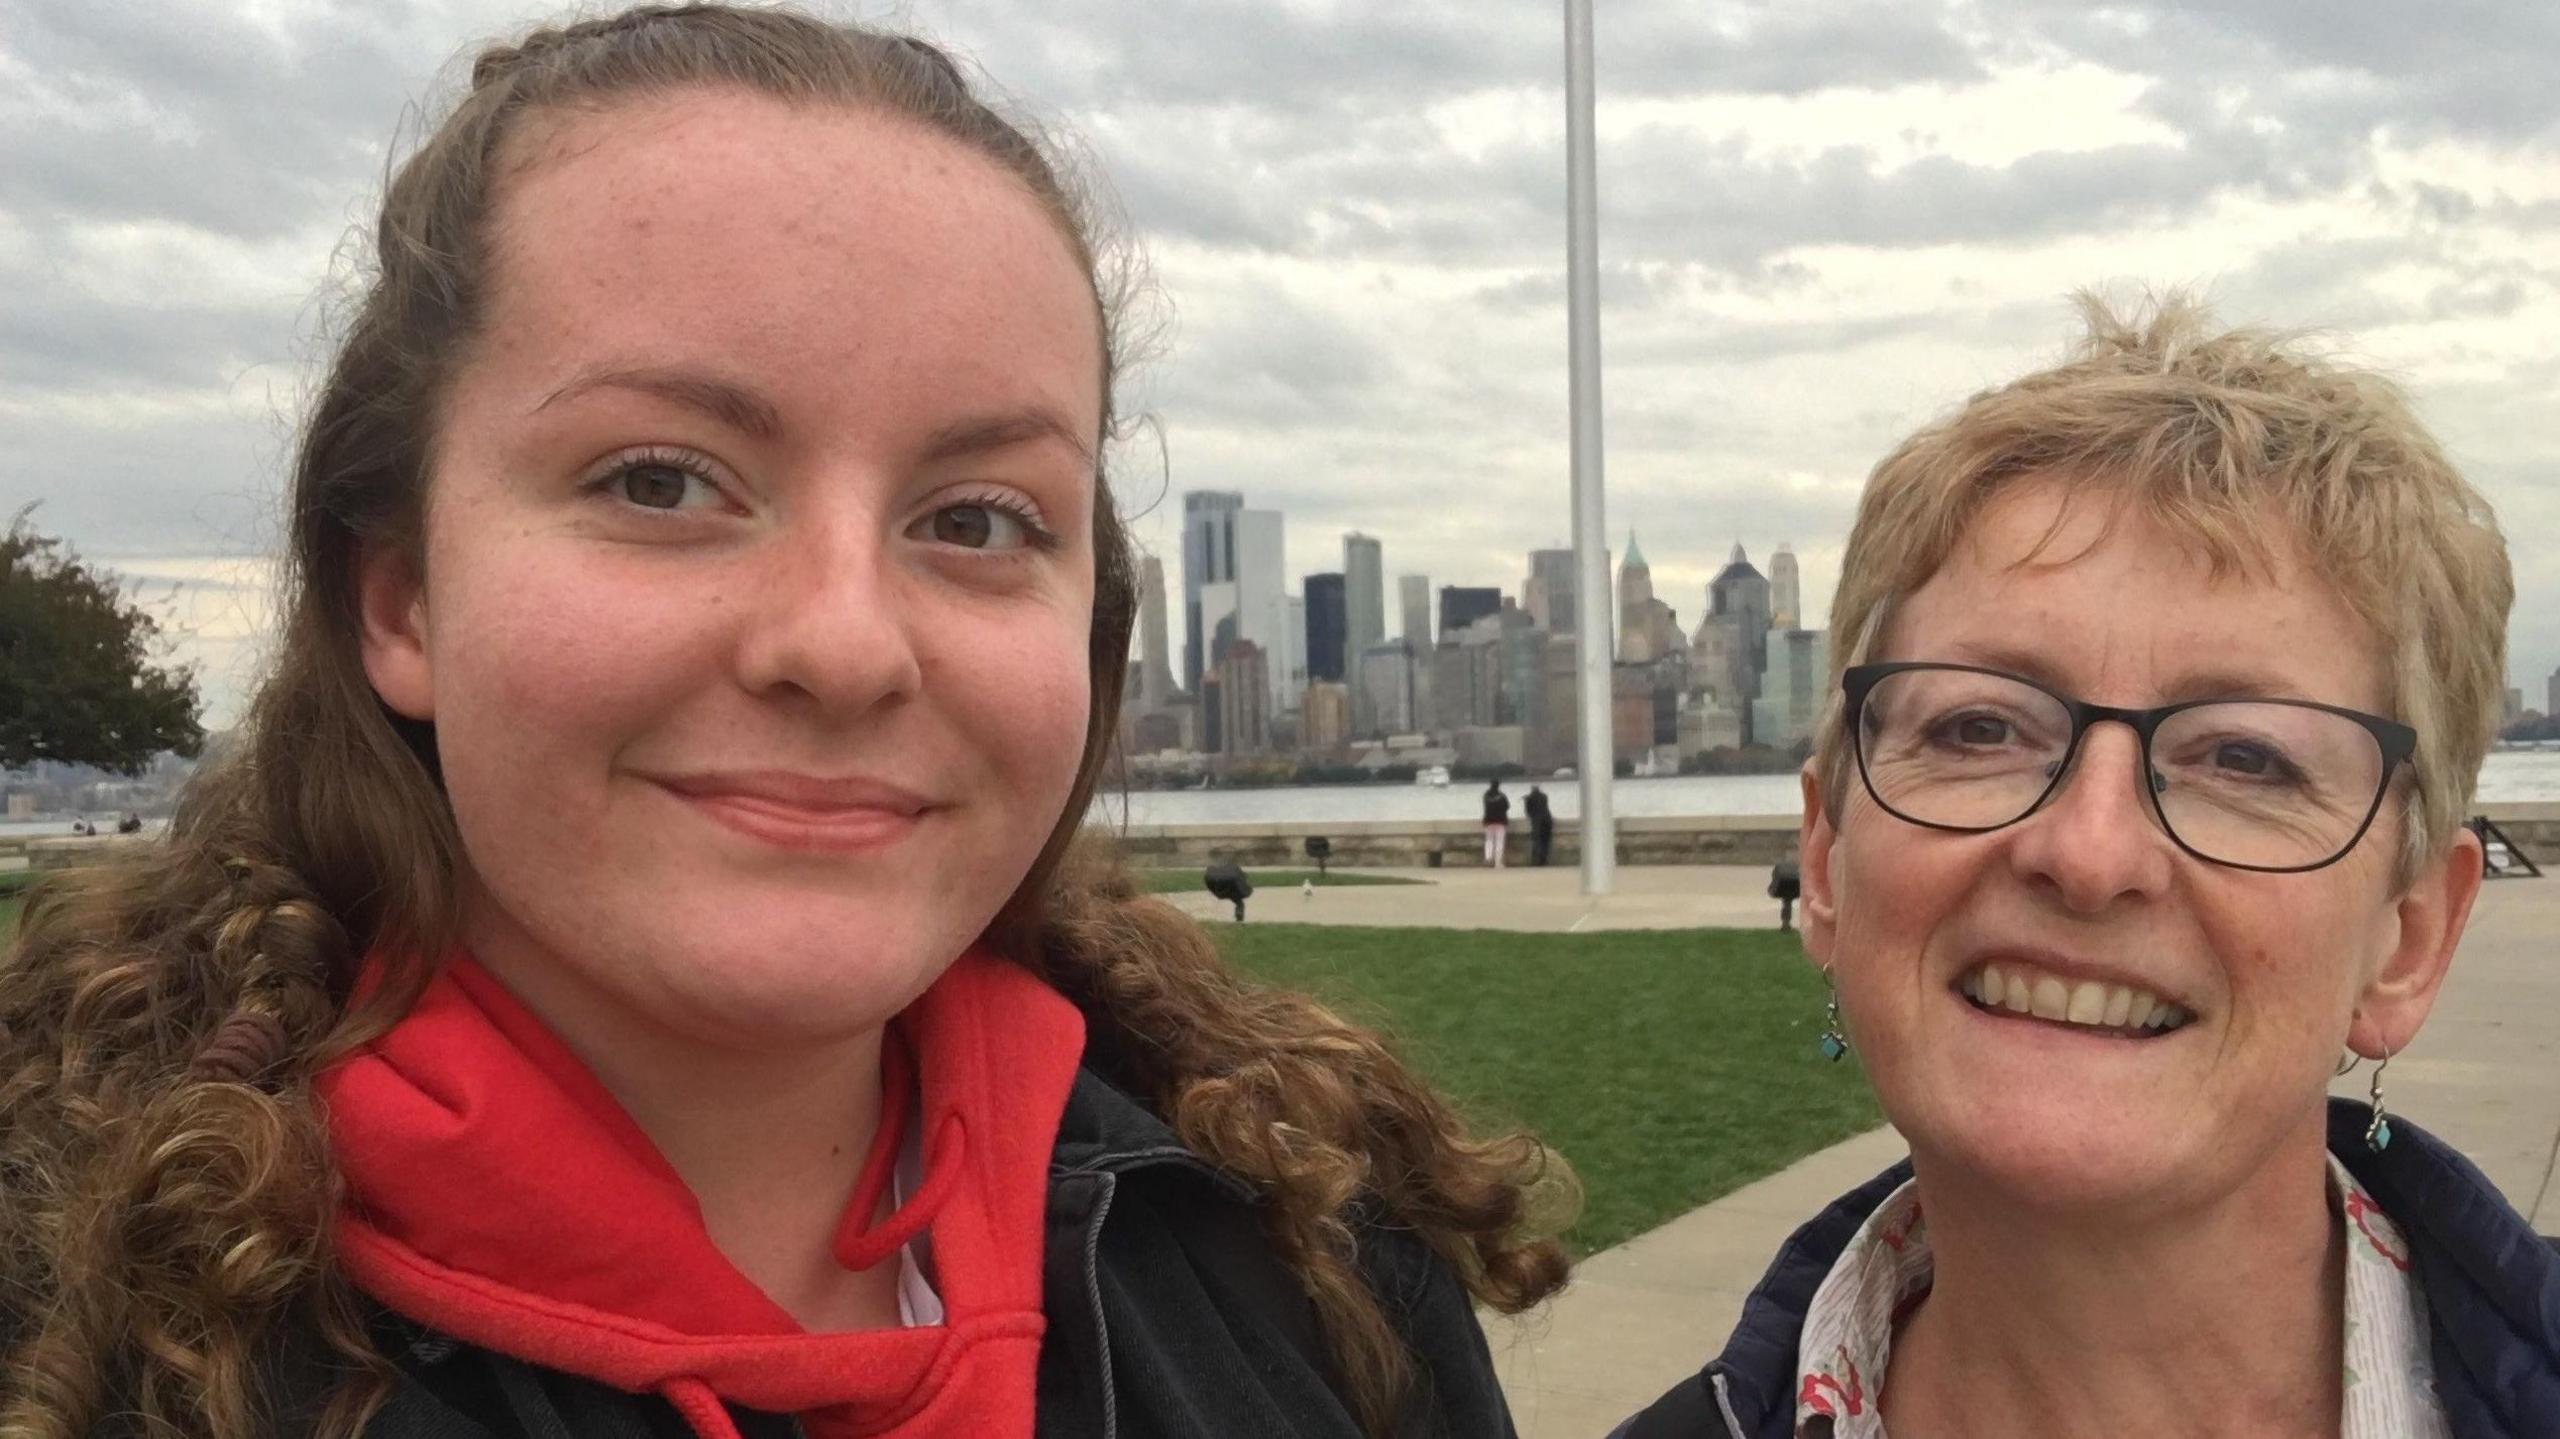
[(81, 678)]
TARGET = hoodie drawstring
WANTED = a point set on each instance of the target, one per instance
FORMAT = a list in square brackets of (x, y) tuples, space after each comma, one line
[(701, 1408)]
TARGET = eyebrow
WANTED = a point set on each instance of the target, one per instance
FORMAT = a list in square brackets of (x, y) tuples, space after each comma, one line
[(740, 409), (2189, 685), (979, 435), (751, 414)]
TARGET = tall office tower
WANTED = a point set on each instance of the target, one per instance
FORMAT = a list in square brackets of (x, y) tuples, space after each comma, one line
[(1291, 663), (1324, 716), (1262, 600), (1635, 597), (1730, 663), (1413, 596), (1786, 608), (1244, 700), (1548, 595), (1384, 702), (1463, 605), (1155, 659), (1791, 691), (1208, 558), (1327, 632), (1364, 596)]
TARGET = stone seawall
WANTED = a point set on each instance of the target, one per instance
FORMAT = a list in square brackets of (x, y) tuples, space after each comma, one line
[(1709, 839), (1407, 844)]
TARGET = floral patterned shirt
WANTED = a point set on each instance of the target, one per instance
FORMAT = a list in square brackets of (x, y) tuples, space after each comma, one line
[(1848, 1329)]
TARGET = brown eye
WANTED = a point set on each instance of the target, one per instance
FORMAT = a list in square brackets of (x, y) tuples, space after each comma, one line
[(969, 525), (656, 486), (978, 527)]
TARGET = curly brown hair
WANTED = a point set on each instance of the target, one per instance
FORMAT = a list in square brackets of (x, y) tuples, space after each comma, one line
[(165, 1240)]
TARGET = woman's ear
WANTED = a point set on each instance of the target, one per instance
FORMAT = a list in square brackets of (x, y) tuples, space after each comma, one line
[(1814, 837), (391, 604), (2420, 932)]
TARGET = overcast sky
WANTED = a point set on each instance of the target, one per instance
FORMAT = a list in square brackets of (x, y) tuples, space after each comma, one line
[(1821, 224)]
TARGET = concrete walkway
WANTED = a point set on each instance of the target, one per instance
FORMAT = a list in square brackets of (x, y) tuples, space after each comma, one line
[(2485, 1075)]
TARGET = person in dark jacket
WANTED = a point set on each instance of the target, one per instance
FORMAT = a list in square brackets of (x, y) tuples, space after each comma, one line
[(2105, 891), (1542, 825), (1497, 823), (636, 974)]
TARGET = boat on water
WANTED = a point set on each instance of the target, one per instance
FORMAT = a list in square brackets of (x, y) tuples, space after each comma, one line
[(1434, 775)]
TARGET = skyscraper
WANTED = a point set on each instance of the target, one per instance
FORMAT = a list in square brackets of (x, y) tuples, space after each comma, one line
[(1155, 660), (1548, 594), (1327, 632), (1262, 602), (1463, 605), (1208, 558), (1635, 599), (1786, 610), (1364, 594), (1413, 597), (1384, 701)]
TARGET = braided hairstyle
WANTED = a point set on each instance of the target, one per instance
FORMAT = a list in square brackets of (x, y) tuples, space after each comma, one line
[(165, 1235)]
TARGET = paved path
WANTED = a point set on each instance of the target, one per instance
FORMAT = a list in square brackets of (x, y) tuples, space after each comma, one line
[(2485, 1074)]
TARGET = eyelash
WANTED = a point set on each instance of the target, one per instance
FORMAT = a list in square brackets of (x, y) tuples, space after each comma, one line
[(615, 469), (1036, 534)]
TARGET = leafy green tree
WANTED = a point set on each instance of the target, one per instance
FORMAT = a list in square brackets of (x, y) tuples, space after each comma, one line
[(81, 675)]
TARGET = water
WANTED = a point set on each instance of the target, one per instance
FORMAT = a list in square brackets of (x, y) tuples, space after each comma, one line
[(2508, 777)]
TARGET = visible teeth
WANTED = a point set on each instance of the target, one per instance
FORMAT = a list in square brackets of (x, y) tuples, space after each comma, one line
[(2088, 1003), (2046, 996), (2052, 1001)]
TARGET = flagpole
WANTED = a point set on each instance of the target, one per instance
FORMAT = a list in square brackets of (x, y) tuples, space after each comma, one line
[(1592, 592)]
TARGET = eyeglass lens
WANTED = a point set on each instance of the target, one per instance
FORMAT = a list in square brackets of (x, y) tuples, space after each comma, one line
[(2248, 782)]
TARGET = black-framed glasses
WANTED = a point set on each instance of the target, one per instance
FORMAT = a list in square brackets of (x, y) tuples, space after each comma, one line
[(2274, 785)]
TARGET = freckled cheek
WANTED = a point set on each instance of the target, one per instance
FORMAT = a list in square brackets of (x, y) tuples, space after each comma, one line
[(1022, 695), (553, 650)]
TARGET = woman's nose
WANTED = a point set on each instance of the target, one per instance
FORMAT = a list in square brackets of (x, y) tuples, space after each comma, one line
[(830, 618), (2097, 838)]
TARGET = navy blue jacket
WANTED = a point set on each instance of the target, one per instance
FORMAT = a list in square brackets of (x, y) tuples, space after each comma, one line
[(2492, 1288)]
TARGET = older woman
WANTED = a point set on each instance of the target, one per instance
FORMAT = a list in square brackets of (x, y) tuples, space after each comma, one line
[(2168, 675)]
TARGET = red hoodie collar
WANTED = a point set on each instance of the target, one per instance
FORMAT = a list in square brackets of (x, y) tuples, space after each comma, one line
[(498, 1193)]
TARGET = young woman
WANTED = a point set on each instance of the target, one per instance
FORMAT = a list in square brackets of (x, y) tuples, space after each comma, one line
[(632, 976)]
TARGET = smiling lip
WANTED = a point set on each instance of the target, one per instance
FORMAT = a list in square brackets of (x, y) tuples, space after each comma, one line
[(803, 812)]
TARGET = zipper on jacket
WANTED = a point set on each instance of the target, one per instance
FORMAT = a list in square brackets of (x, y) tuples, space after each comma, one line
[(1093, 1297), (1724, 1403)]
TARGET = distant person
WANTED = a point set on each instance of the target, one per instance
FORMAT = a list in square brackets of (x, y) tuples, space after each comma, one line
[(1497, 822), (130, 824), (81, 825), (1542, 825), (2135, 815), (636, 971)]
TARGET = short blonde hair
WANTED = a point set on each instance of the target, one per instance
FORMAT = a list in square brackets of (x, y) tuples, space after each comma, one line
[(2245, 443)]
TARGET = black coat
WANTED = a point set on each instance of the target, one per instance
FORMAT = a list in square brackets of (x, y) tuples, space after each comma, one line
[(1535, 807), (1497, 807), (2492, 1290), (1169, 1318)]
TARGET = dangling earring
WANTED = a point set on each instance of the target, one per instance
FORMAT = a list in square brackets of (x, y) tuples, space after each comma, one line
[(1834, 1042), (2377, 1135)]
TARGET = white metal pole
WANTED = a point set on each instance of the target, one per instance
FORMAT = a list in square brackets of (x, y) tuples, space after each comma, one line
[(1592, 593)]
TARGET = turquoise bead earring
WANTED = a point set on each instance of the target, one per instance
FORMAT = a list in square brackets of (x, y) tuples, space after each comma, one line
[(1835, 1043)]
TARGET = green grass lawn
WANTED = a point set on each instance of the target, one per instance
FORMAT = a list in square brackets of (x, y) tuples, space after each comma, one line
[(1186, 881), (1670, 1067), (12, 884)]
